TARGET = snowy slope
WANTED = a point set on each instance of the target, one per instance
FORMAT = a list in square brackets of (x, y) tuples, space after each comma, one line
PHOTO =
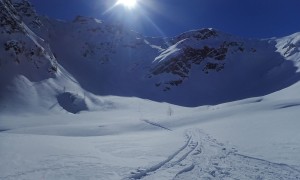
[(257, 139), (60, 117), (31, 78), (203, 66), (289, 47), (23, 54), (206, 66)]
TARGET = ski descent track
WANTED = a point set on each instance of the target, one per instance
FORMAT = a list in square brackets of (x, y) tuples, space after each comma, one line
[(202, 157), (155, 124)]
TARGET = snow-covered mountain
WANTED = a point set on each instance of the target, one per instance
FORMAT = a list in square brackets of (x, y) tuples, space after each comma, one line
[(21, 47), (62, 114), (200, 67), (203, 66), (22, 52)]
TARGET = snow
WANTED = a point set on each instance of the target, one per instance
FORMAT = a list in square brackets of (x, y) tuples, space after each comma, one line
[(169, 53), (100, 115), (256, 138)]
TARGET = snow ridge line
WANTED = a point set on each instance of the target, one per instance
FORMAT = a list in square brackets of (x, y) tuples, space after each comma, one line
[(159, 165), (155, 124)]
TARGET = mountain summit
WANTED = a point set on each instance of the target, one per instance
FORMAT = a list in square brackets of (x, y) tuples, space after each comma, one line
[(199, 67)]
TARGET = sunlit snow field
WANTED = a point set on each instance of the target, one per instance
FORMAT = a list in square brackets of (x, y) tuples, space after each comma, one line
[(136, 138)]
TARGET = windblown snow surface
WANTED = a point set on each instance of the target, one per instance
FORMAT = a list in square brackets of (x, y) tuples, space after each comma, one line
[(85, 100), (255, 138)]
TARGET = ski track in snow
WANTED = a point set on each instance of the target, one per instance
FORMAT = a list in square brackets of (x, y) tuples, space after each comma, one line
[(156, 124), (3, 130), (154, 168), (202, 157), (288, 106), (185, 170)]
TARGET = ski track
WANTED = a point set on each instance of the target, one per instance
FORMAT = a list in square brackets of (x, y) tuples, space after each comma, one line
[(185, 170), (143, 173), (3, 130), (202, 157), (156, 124), (185, 155), (287, 106)]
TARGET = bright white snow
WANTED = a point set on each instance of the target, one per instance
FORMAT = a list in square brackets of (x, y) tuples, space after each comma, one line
[(257, 138), (54, 126)]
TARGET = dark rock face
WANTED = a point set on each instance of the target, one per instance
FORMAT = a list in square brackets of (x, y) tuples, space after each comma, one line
[(18, 43), (201, 34), (27, 13), (8, 23), (212, 59), (13, 13), (291, 48)]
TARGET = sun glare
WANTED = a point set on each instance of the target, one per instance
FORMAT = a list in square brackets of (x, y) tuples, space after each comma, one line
[(130, 4)]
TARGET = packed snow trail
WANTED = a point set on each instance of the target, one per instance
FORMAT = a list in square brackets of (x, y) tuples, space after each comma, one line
[(202, 157)]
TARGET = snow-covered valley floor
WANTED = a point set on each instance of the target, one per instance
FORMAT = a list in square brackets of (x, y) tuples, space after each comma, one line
[(256, 138)]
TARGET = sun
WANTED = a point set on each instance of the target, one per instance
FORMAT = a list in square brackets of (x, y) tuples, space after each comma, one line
[(130, 4)]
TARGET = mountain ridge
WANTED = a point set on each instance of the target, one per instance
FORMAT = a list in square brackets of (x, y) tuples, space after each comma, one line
[(198, 67)]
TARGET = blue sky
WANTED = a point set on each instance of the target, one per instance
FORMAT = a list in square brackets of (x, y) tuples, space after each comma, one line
[(248, 18)]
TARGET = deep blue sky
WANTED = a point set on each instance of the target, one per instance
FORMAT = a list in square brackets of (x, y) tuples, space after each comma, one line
[(248, 18)]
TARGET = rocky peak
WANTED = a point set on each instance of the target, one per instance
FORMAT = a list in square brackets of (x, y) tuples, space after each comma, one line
[(20, 45), (27, 13), (291, 45), (9, 18), (22, 10), (200, 34), (193, 51), (86, 20)]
